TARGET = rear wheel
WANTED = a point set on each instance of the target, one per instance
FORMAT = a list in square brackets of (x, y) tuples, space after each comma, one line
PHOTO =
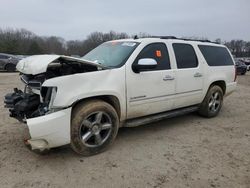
[(94, 127), (212, 103), (10, 67)]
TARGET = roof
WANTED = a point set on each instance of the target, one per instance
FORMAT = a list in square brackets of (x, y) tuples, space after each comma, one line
[(171, 39)]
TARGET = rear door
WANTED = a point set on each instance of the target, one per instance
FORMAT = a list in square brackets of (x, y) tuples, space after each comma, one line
[(189, 75), (150, 91)]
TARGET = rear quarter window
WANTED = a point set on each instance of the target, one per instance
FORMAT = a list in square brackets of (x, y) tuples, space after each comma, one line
[(216, 56)]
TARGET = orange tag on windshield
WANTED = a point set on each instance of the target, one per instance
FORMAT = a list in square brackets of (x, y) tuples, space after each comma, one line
[(158, 53)]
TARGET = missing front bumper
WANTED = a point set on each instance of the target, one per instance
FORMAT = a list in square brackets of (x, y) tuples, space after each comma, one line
[(49, 131)]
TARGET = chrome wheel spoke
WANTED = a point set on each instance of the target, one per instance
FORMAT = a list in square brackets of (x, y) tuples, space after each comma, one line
[(98, 117), (98, 139), (213, 107), (106, 126), (87, 136), (216, 95), (87, 123), (210, 104)]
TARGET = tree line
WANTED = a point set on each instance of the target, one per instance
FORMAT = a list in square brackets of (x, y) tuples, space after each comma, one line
[(24, 42), (239, 48)]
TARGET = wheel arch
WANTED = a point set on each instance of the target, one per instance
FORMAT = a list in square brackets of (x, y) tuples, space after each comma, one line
[(4, 65), (110, 99), (221, 84)]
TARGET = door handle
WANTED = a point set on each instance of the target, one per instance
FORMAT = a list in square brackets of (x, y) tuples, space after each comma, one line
[(197, 74), (168, 77)]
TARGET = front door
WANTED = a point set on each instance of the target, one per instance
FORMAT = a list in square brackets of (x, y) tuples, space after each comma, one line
[(150, 91)]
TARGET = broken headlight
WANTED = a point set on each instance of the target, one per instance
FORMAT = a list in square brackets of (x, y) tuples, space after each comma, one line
[(48, 96), (33, 82)]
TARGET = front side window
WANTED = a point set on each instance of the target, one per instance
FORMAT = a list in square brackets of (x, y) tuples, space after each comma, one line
[(111, 54), (185, 56), (158, 52), (215, 55)]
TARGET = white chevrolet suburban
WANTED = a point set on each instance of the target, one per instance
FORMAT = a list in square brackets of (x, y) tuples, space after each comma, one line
[(130, 82)]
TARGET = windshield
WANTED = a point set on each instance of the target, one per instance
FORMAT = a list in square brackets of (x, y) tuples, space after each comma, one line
[(111, 54)]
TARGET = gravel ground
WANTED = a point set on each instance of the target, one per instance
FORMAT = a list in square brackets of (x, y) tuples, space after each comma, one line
[(187, 151)]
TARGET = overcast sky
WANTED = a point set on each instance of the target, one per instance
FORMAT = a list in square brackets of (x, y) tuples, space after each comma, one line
[(75, 19)]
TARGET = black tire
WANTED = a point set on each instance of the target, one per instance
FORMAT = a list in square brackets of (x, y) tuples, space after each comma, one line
[(94, 126), (10, 67), (212, 103)]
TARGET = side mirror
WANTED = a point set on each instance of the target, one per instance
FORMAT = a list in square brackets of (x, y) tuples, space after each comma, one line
[(144, 64)]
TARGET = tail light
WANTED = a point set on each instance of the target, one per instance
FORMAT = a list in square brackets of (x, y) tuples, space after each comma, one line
[(235, 73)]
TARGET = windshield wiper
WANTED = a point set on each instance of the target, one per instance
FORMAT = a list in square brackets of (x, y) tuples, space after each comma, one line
[(103, 66), (96, 62)]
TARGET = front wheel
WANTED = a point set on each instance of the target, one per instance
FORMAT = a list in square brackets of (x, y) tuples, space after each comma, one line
[(94, 126), (212, 103)]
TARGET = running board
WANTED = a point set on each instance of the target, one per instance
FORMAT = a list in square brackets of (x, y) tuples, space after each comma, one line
[(161, 116)]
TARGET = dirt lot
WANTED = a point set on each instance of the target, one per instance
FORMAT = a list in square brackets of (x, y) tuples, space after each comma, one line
[(187, 151)]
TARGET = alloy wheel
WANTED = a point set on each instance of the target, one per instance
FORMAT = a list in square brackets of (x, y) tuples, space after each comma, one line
[(96, 129), (214, 102)]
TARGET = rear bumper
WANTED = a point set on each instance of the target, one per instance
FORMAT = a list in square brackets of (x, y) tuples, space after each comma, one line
[(49, 131), (230, 88)]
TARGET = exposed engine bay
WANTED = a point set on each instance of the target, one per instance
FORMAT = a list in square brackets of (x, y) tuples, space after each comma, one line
[(64, 67), (36, 100)]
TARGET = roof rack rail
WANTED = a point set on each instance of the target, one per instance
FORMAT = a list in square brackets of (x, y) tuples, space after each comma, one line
[(169, 37), (164, 37), (173, 37), (198, 40)]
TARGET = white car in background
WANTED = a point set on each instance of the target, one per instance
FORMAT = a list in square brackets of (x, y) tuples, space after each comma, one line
[(84, 101)]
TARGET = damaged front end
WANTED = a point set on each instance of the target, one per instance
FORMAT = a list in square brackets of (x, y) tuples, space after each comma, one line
[(49, 126), (22, 105), (33, 101), (32, 106), (36, 100), (26, 104)]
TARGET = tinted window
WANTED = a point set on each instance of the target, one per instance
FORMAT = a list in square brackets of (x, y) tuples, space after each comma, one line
[(157, 51), (3, 57), (185, 56), (216, 56)]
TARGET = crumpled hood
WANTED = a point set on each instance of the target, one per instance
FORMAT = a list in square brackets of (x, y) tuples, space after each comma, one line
[(37, 64)]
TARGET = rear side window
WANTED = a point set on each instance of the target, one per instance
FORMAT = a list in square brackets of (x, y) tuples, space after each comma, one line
[(157, 51), (185, 56), (216, 56)]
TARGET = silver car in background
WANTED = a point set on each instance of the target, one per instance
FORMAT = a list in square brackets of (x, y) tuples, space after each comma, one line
[(8, 62)]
